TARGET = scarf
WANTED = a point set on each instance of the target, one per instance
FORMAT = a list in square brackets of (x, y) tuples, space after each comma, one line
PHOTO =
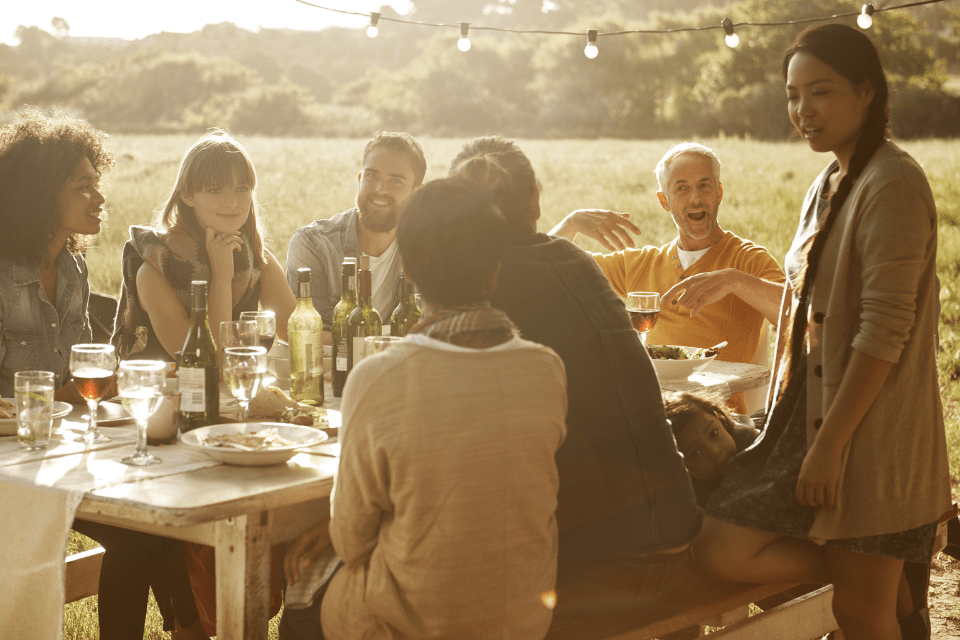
[(180, 255), (475, 326)]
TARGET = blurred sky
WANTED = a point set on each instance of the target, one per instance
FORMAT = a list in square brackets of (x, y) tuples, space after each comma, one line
[(133, 19)]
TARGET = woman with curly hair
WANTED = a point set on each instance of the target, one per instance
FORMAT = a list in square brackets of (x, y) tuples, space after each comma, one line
[(50, 206)]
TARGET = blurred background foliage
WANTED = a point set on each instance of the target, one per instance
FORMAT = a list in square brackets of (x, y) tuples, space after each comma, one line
[(338, 82)]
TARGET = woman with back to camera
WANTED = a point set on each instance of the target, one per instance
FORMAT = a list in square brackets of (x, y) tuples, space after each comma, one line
[(853, 455)]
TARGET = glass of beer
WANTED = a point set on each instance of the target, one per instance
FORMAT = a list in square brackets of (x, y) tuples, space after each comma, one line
[(93, 367), (644, 308)]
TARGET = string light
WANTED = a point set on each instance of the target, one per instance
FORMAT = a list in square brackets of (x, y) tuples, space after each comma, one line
[(591, 50), (373, 30), (464, 42), (732, 39), (865, 19)]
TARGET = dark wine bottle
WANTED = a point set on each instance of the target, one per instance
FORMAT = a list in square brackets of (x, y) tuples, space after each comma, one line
[(305, 329), (407, 313), (364, 319), (340, 328), (198, 371)]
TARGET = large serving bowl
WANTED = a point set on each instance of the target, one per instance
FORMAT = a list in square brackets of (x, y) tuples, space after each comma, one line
[(675, 370), (298, 437)]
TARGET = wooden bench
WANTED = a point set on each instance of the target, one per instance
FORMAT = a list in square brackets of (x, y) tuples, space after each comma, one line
[(82, 575), (804, 617)]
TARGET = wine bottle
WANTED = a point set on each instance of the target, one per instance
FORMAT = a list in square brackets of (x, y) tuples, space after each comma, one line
[(198, 370), (341, 315), (305, 330), (364, 319), (407, 312)]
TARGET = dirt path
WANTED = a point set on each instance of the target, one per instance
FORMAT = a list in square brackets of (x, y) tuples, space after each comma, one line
[(944, 598)]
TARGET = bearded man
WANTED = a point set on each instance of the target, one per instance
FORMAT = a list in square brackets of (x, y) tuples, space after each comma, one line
[(393, 166), (714, 285)]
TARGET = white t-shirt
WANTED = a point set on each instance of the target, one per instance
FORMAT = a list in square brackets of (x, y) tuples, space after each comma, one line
[(687, 258), (384, 281)]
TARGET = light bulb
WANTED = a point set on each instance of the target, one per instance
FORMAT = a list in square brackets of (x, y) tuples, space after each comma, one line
[(865, 19), (464, 42), (591, 50), (372, 31), (732, 40)]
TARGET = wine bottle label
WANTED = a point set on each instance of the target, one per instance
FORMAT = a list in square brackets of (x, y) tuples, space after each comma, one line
[(341, 353), (353, 282), (358, 350), (385, 329), (191, 385)]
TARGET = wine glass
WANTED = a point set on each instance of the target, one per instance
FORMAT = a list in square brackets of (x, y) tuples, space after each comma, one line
[(644, 308), (140, 383), (93, 366), (238, 333), (243, 371), (266, 326)]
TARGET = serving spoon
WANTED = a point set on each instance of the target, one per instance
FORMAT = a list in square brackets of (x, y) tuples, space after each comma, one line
[(712, 351)]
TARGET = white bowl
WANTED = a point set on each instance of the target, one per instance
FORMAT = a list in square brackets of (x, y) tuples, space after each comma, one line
[(301, 436), (675, 370), (8, 427)]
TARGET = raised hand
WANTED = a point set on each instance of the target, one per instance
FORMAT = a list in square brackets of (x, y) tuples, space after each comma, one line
[(609, 228)]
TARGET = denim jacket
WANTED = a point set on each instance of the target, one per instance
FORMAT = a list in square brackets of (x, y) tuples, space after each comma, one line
[(38, 335)]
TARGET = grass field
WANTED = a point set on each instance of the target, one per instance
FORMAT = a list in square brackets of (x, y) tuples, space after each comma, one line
[(301, 180)]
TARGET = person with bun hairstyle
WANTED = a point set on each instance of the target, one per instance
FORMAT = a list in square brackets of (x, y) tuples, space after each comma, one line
[(849, 477)]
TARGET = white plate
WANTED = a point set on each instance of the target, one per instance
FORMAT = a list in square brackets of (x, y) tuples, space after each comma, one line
[(8, 427), (674, 370), (303, 436)]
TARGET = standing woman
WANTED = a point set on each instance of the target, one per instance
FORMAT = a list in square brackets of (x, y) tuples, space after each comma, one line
[(209, 230), (50, 208), (853, 456)]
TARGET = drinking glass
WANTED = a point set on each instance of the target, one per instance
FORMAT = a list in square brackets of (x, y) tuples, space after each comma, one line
[(644, 308), (419, 301), (243, 371), (238, 333), (140, 383), (33, 398), (266, 326), (378, 344), (93, 366)]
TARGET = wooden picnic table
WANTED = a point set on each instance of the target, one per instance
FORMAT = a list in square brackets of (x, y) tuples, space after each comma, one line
[(722, 378)]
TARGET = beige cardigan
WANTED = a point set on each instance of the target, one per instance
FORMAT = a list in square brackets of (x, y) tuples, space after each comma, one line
[(876, 292)]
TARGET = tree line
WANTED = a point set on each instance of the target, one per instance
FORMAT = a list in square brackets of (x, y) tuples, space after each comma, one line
[(338, 82)]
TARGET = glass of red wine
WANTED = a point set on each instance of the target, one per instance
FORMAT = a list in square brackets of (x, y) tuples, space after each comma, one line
[(644, 308), (93, 367), (266, 326)]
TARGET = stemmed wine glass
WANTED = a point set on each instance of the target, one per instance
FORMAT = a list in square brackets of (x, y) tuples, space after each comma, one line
[(644, 308), (243, 371), (266, 326), (140, 383), (93, 366)]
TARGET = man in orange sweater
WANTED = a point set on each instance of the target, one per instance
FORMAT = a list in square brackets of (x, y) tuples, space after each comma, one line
[(715, 286)]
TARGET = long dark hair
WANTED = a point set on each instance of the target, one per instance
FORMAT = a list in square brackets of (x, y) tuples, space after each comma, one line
[(851, 54)]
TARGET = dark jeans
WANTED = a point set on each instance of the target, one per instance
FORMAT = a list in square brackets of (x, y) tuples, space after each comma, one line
[(304, 624), (133, 563)]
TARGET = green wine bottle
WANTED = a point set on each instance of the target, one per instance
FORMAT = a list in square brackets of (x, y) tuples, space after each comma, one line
[(341, 315), (305, 330), (407, 314), (198, 370), (364, 319)]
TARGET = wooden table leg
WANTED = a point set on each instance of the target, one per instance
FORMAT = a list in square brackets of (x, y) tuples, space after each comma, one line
[(243, 576)]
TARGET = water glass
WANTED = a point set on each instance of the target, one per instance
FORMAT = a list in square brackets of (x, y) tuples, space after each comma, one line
[(33, 398), (644, 308), (93, 367), (266, 327), (378, 344), (243, 371), (140, 383)]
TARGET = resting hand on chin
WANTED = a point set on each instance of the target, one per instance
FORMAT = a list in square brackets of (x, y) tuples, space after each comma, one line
[(220, 249)]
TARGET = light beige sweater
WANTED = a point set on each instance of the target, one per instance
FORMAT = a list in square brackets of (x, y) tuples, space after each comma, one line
[(876, 292), (443, 507)]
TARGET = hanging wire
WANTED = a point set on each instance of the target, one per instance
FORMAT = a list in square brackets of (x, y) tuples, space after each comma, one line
[(579, 34)]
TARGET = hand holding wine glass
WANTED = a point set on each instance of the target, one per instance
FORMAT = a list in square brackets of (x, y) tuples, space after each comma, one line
[(243, 371), (644, 308), (266, 326), (92, 367), (140, 383)]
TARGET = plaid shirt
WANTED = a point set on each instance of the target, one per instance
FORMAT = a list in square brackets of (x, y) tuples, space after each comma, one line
[(321, 247)]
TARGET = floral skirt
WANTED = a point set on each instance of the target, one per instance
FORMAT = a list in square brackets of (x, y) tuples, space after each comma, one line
[(758, 490)]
